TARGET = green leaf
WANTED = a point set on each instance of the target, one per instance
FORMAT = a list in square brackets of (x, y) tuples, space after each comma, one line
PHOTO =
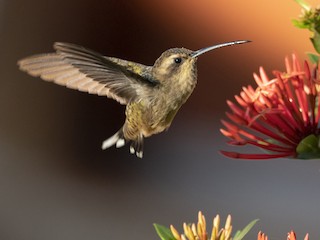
[(316, 41), (314, 58), (240, 234), (236, 234), (309, 148), (163, 232), (309, 156), (300, 24), (303, 4)]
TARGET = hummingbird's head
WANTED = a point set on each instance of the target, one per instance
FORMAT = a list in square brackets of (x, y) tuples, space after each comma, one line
[(175, 62), (180, 63)]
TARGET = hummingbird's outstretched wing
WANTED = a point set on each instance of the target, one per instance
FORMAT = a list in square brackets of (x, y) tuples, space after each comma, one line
[(79, 68)]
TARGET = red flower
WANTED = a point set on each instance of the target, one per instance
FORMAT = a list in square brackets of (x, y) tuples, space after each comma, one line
[(262, 236), (280, 116), (291, 236)]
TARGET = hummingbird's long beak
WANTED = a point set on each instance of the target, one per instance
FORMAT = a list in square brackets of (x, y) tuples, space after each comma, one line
[(207, 49)]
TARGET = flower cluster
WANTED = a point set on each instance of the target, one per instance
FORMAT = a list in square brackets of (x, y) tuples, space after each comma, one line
[(280, 116), (198, 231)]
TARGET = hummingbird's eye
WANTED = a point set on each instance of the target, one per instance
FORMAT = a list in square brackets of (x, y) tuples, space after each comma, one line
[(177, 60)]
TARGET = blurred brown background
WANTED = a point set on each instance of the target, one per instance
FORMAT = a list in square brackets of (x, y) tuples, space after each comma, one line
[(56, 183)]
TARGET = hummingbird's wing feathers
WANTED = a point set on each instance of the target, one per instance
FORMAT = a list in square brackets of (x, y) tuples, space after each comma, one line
[(120, 78), (85, 70)]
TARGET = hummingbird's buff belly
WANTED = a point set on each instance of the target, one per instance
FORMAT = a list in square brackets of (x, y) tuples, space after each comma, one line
[(147, 119)]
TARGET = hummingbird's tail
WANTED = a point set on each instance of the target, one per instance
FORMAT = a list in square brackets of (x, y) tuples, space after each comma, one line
[(119, 140)]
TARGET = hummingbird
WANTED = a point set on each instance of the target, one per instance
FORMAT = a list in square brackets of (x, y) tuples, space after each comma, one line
[(152, 94)]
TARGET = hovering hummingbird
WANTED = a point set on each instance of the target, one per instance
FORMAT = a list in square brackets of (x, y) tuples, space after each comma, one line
[(152, 94)]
